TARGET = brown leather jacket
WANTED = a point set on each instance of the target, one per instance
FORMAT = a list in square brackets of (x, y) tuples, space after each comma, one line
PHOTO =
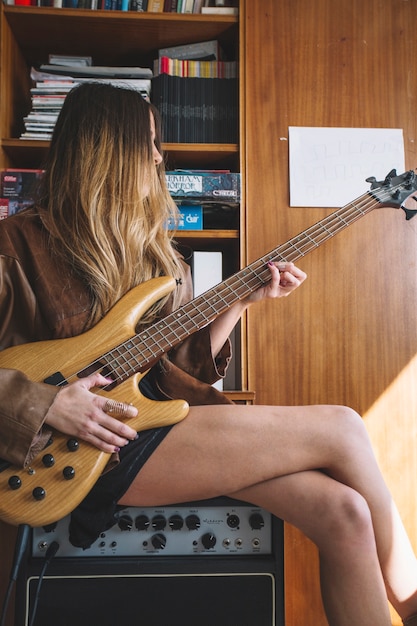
[(41, 300)]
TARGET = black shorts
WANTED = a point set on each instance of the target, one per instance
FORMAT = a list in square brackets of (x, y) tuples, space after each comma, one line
[(97, 511)]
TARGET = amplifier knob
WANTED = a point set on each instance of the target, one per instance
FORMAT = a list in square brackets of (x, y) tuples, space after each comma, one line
[(256, 521), (208, 540), (176, 522), (159, 522), (142, 522), (125, 522), (159, 541), (192, 522)]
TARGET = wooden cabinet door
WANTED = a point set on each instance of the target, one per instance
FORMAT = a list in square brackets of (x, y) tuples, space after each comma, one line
[(349, 335)]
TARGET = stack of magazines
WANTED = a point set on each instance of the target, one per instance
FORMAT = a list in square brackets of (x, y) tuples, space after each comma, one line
[(52, 82)]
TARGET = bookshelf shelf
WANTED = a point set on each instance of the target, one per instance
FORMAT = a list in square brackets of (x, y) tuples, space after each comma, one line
[(205, 234), (28, 153), (202, 155), (42, 30)]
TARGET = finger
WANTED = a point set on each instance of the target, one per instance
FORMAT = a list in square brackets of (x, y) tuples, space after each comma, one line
[(299, 274), (296, 271), (114, 409), (105, 443), (119, 409), (274, 269), (285, 266), (109, 431), (95, 380)]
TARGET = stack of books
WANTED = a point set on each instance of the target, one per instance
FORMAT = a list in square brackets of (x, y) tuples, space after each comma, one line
[(17, 187), (196, 92), (189, 6), (207, 199)]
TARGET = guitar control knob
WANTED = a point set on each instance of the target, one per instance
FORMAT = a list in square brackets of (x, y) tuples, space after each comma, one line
[(39, 493), (192, 522), (159, 541), (48, 460), (73, 445), (233, 521), (159, 522), (15, 482), (125, 522), (208, 540), (256, 521), (142, 522), (176, 522), (68, 472)]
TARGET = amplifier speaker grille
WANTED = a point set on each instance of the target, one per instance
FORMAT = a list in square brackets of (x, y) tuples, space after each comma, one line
[(233, 599)]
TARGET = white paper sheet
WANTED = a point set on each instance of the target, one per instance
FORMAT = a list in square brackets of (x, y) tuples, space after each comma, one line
[(329, 166)]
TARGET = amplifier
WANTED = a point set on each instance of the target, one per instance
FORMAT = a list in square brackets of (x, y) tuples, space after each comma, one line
[(212, 563), (190, 529)]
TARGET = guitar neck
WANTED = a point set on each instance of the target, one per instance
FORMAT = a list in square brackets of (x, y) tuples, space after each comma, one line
[(146, 347)]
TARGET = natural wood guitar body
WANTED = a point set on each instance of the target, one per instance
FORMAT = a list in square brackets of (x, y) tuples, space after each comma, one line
[(68, 356)]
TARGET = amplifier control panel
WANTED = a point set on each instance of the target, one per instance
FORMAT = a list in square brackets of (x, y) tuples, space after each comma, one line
[(232, 529)]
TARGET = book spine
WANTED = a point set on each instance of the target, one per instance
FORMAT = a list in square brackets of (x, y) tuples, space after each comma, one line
[(170, 6), (205, 50), (197, 110), (155, 6), (4, 208), (189, 68), (216, 186)]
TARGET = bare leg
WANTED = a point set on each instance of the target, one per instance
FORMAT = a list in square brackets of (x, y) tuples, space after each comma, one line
[(311, 466), (338, 520)]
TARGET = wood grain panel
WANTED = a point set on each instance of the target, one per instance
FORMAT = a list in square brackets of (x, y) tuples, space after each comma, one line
[(349, 335)]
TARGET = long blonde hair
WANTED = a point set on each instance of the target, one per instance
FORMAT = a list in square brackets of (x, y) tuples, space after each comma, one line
[(92, 194)]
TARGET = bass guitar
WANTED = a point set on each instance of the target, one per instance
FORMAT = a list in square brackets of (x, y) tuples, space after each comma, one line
[(62, 475)]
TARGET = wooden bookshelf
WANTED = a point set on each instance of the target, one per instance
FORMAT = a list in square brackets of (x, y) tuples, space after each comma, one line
[(29, 34)]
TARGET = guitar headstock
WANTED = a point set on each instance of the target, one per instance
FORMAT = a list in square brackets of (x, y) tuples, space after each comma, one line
[(396, 191)]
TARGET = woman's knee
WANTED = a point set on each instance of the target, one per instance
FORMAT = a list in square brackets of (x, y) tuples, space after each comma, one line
[(349, 430), (347, 416), (348, 517)]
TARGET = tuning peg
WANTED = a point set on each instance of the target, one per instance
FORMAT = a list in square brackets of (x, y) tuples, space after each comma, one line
[(389, 176)]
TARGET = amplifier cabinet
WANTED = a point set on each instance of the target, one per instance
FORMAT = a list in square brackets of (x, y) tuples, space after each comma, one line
[(204, 588)]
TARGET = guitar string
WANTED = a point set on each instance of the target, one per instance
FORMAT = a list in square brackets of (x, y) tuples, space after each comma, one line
[(199, 312)]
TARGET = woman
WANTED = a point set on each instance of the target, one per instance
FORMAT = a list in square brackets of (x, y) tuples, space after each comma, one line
[(98, 230)]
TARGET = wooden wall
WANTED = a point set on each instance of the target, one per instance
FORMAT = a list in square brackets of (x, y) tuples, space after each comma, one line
[(349, 336)]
